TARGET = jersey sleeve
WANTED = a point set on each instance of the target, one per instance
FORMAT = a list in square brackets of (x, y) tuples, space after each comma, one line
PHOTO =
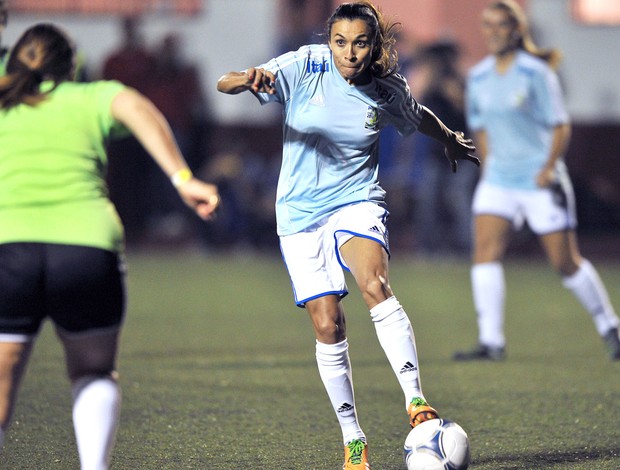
[(407, 112), (548, 99), (288, 69), (105, 91), (472, 111)]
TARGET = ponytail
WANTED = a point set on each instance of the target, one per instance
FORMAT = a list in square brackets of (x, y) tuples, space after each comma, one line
[(43, 52)]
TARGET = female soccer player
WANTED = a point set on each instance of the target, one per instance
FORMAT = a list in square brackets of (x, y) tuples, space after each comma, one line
[(330, 208), (60, 237), (515, 108)]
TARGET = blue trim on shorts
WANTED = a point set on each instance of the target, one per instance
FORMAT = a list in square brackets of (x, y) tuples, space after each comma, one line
[(355, 234), (341, 295)]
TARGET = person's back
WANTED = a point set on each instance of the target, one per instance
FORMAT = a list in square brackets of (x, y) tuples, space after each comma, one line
[(60, 238), (52, 163)]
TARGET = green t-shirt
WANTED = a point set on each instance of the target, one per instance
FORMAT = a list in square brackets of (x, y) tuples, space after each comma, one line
[(52, 168)]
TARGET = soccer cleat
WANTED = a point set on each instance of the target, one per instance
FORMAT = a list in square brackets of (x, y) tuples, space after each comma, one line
[(613, 344), (420, 411), (356, 456), (481, 353)]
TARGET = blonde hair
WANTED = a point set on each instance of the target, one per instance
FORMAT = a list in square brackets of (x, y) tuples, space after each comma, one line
[(525, 41)]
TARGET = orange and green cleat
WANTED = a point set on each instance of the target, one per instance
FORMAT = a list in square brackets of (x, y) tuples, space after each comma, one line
[(356, 456), (420, 411)]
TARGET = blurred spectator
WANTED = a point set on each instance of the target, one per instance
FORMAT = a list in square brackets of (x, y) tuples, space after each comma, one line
[(442, 217), (396, 171), (246, 181), (132, 64), (299, 26), (175, 86)]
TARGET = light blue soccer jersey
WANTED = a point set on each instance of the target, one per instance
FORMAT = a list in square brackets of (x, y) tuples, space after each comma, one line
[(331, 135), (518, 111)]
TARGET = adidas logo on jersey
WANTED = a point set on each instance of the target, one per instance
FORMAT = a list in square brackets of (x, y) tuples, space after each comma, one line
[(318, 100), (375, 229), (408, 367)]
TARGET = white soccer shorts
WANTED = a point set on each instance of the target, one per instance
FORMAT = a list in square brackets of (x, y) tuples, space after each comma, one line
[(313, 259), (546, 210)]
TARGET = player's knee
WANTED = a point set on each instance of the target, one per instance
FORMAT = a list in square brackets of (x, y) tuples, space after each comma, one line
[(565, 266), (375, 289), (566, 269), (327, 330)]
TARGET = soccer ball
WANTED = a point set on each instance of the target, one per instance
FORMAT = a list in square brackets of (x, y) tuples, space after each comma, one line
[(437, 444)]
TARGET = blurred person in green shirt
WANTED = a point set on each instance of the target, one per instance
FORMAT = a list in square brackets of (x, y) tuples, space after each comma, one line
[(61, 240)]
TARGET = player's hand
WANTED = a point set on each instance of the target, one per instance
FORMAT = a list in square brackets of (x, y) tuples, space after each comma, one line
[(261, 80), (460, 148), (202, 197), (546, 177)]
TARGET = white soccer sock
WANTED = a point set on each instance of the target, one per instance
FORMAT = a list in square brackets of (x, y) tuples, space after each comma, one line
[(396, 337), (489, 292), (587, 286), (335, 371), (96, 410)]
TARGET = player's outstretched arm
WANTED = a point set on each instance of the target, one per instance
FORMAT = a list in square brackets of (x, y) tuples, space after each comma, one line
[(457, 147), (254, 79), (149, 126)]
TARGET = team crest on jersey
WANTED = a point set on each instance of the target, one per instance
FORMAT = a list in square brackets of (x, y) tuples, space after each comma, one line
[(372, 118)]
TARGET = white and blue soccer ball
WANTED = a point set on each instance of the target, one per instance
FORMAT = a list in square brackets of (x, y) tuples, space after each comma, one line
[(437, 444)]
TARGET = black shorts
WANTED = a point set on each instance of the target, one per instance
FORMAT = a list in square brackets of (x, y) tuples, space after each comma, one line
[(79, 288)]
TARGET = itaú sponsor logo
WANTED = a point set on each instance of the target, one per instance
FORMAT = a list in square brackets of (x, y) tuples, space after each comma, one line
[(317, 66)]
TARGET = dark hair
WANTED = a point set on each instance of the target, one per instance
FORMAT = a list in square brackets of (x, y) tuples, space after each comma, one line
[(384, 59), (43, 52), (525, 41)]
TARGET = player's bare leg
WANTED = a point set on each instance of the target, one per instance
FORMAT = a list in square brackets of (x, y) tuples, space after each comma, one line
[(492, 235), (332, 356), (581, 278), (368, 262), (13, 360)]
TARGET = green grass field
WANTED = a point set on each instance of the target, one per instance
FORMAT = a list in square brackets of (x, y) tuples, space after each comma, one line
[(218, 372)]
